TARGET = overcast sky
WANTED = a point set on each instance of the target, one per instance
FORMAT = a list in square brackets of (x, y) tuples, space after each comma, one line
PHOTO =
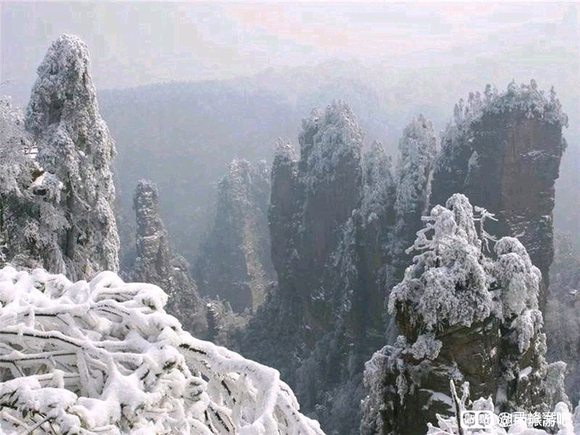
[(142, 42)]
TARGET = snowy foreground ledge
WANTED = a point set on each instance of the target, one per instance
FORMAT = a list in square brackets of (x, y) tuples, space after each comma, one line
[(104, 358)]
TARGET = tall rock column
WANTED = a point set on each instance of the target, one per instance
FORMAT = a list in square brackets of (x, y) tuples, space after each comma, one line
[(74, 144), (235, 262), (312, 198), (505, 155), (329, 216), (153, 260), (283, 206), (417, 150), (156, 264)]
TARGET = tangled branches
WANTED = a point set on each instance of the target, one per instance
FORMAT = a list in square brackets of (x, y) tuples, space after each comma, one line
[(103, 357)]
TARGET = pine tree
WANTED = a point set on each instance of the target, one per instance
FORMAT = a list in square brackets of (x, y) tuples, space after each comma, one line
[(75, 146)]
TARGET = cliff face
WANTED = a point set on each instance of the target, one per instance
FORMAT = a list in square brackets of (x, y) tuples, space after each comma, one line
[(464, 317), (282, 205), (235, 262), (312, 199), (75, 146), (504, 154), (156, 264), (331, 213), (519, 180)]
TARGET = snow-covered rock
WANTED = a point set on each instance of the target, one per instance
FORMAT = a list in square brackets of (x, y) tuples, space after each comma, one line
[(104, 357), (464, 315), (504, 153), (312, 205), (157, 264), (234, 263), (74, 144)]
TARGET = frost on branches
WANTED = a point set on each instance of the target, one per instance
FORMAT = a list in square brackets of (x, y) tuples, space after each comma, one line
[(564, 420), (74, 145), (465, 313), (103, 357), (29, 217), (13, 142), (451, 256)]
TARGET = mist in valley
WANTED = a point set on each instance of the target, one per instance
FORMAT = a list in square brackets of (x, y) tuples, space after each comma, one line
[(274, 165)]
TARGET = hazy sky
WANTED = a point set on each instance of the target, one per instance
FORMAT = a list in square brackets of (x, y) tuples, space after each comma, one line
[(141, 42)]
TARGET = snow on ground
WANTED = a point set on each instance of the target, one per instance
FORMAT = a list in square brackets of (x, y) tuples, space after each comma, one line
[(103, 357)]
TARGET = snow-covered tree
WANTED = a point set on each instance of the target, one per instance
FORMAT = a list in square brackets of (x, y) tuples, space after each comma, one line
[(14, 168), (379, 187), (463, 315), (452, 255), (13, 146), (504, 153), (563, 420), (417, 150), (30, 218), (75, 146), (103, 357)]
